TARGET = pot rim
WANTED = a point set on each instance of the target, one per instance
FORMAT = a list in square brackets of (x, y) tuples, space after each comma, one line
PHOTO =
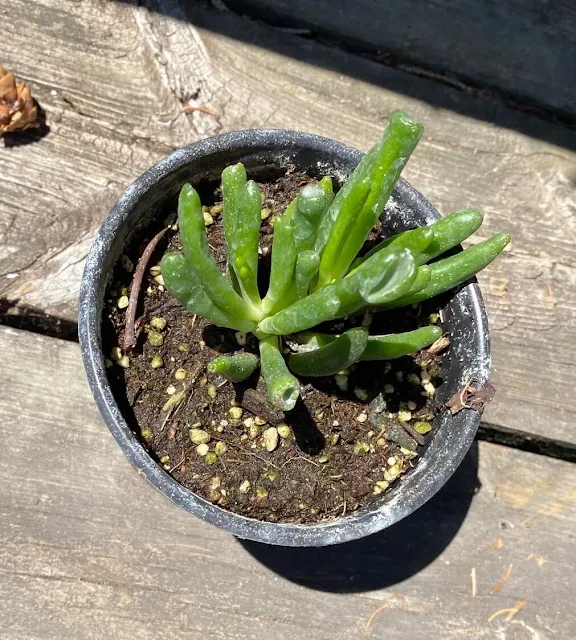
[(347, 528)]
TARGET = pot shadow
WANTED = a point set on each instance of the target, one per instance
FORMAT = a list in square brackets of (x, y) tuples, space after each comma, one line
[(27, 318), (385, 558)]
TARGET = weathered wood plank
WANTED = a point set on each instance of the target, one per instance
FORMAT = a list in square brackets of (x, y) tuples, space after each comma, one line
[(89, 550), (130, 97), (526, 49), (98, 70)]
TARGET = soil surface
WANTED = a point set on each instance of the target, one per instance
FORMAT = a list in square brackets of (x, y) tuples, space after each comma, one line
[(348, 439)]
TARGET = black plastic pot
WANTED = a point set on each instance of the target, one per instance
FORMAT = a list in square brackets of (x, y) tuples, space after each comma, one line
[(151, 197)]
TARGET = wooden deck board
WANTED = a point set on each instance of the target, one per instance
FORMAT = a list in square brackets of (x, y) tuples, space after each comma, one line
[(524, 49), (89, 550), (115, 106)]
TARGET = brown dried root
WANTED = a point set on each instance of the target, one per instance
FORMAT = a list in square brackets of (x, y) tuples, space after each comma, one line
[(129, 329)]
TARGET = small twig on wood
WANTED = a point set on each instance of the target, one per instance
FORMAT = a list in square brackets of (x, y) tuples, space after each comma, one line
[(503, 581), (420, 439), (473, 578), (511, 611), (191, 108), (375, 614), (129, 330)]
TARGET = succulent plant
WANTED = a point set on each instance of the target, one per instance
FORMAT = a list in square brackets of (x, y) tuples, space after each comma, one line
[(317, 270)]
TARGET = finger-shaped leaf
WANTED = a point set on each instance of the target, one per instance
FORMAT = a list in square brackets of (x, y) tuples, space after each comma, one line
[(420, 281), (332, 358), (241, 218), (182, 282), (417, 240), (450, 272), (236, 367), (348, 212), (386, 347), (396, 345), (283, 387), (382, 169), (198, 255), (311, 204), (386, 275), (283, 262), (307, 264), (450, 231), (233, 185)]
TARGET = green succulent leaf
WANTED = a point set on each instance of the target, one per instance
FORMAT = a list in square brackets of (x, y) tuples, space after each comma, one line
[(345, 228), (311, 204), (236, 367), (396, 345), (450, 272), (383, 277), (198, 255), (417, 240), (283, 262), (283, 387), (450, 231), (241, 215), (332, 358), (183, 283), (307, 264)]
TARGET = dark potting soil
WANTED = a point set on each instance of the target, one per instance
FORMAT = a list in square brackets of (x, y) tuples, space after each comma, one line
[(348, 438)]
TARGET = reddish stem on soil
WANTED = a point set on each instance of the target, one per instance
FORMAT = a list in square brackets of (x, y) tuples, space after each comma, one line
[(129, 329)]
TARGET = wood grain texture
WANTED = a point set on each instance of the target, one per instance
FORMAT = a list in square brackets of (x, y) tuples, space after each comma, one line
[(99, 72), (136, 66), (89, 550), (526, 49)]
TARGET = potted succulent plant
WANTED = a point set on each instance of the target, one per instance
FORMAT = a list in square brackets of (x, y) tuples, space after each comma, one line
[(290, 374)]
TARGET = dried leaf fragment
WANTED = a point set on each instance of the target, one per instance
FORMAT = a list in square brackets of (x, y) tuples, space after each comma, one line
[(17, 108), (473, 396)]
